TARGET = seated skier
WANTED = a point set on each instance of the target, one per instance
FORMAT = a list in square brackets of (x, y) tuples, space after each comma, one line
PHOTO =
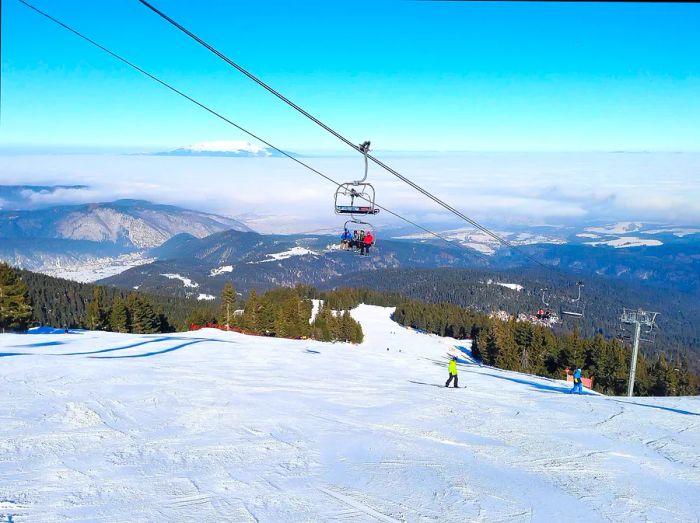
[(355, 239), (367, 242), (345, 240)]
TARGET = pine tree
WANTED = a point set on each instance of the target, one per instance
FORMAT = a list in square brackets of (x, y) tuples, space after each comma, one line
[(144, 319), (322, 324), (95, 314), (15, 309), (119, 316), (251, 312), (228, 304)]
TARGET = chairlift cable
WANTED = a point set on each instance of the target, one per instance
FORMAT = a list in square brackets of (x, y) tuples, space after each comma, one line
[(348, 142), (229, 121)]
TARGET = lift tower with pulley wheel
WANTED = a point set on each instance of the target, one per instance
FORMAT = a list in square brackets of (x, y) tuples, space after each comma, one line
[(644, 323)]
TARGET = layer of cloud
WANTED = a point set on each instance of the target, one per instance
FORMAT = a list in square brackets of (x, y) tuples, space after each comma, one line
[(496, 188)]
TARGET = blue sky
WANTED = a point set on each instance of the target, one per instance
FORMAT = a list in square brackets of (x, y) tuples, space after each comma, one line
[(407, 75)]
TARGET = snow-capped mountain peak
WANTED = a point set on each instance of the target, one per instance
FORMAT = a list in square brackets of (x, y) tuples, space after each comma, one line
[(235, 148), (228, 146)]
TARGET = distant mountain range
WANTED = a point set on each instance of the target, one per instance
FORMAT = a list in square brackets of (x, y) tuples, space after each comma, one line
[(128, 223), (187, 266), (226, 148), (81, 241)]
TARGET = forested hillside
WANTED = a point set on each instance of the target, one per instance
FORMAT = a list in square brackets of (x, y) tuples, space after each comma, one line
[(283, 312), (533, 349), (604, 298), (64, 303)]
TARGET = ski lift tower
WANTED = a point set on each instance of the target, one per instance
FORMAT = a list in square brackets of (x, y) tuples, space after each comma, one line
[(644, 323)]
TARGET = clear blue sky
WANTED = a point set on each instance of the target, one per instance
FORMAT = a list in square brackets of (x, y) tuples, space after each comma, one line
[(408, 75)]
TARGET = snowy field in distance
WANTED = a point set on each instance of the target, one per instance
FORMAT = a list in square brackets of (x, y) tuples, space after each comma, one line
[(94, 269), (216, 426)]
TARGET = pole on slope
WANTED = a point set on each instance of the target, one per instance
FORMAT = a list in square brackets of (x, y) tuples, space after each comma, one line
[(639, 318), (633, 361)]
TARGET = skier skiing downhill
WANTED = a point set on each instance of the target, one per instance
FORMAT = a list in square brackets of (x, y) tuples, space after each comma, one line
[(452, 369), (578, 386)]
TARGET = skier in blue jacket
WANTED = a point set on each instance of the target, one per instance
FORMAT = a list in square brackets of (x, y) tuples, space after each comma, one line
[(578, 386), (345, 239)]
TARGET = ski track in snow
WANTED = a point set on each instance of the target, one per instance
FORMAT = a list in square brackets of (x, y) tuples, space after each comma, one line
[(217, 426)]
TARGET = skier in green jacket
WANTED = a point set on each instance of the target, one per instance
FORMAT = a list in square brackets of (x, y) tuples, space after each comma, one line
[(452, 368)]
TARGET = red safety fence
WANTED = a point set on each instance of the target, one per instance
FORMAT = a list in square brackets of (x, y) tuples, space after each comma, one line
[(196, 327), (587, 382)]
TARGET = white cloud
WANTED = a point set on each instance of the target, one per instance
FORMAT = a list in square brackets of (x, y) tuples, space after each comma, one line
[(283, 196)]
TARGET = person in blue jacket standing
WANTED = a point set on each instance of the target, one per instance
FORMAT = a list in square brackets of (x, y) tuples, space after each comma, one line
[(578, 386)]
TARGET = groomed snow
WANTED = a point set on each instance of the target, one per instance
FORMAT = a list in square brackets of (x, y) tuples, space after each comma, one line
[(216, 426)]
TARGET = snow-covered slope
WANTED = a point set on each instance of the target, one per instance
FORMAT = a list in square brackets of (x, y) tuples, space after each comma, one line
[(215, 426)]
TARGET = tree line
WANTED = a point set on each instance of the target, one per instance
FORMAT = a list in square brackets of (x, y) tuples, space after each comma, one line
[(678, 324), (29, 299), (533, 349), (286, 312)]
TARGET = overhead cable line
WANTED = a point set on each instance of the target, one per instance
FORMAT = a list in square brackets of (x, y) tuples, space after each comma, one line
[(348, 142), (227, 120)]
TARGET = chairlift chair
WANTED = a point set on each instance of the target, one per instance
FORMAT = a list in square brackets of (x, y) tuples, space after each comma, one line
[(347, 193), (575, 307), (361, 225), (547, 310)]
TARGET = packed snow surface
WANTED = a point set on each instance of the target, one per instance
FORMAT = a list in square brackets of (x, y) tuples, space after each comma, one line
[(185, 281), (217, 426)]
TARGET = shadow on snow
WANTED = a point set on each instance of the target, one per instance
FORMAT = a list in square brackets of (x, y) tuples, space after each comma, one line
[(169, 349), (670, 409)]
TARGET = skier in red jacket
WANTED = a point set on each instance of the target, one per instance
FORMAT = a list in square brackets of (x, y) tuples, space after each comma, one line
[(367, 242)]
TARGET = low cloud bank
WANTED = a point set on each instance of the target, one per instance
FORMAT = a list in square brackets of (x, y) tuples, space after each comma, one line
[(493, 187)]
